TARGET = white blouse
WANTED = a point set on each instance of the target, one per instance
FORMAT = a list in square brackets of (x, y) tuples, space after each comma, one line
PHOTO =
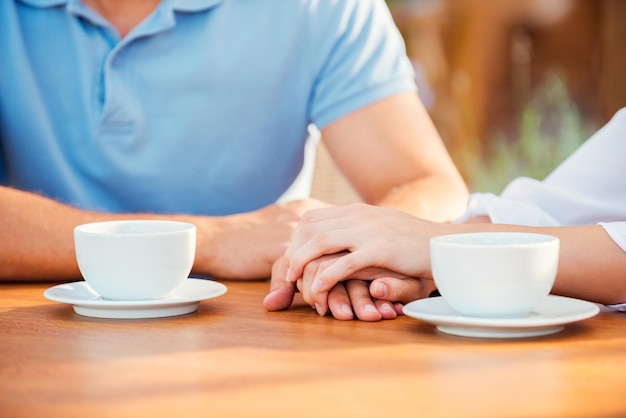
[(588, 188)]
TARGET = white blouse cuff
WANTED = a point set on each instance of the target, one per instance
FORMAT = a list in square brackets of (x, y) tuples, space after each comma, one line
[(620, 307), (505, 211), (617, 232)]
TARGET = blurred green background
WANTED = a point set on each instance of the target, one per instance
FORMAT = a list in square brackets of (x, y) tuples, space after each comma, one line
[(515, 86)]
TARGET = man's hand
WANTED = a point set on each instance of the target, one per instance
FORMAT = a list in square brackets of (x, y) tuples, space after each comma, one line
[(245, 246), (375, 301)]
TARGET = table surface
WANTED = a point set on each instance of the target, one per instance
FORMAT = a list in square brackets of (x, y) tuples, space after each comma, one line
[(232, 358)]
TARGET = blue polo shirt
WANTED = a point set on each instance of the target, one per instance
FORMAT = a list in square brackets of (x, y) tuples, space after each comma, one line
[(203, 108)]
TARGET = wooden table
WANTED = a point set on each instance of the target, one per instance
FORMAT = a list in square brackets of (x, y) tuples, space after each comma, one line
[(232, 358)]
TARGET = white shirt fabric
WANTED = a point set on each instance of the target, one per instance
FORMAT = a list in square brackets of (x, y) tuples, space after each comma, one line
[(588, 188)]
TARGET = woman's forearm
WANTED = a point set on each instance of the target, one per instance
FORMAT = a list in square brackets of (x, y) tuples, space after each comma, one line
[(591, 265)]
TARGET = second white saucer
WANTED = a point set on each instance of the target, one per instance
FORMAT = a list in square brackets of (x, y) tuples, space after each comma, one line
[(86, 302), (549, 317)]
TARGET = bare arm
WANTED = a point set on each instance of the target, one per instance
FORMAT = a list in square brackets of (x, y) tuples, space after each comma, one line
[(36, 238), (591, 265), (392, 154)]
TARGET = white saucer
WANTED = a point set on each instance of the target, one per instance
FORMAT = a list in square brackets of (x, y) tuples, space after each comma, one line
[(549, 317), (86, 302)]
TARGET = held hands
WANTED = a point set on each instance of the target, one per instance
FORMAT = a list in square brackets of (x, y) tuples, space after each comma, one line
[(335, 251), (371, 294)]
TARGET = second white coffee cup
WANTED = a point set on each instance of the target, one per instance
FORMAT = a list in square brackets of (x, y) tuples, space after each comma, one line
[(494, 274)]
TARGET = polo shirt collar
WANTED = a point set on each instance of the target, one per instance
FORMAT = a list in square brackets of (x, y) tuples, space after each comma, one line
[(44, 3), (177, 5), (194, 5)]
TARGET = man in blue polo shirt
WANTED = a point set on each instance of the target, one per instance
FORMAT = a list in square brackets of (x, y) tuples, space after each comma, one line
[(200, 110)]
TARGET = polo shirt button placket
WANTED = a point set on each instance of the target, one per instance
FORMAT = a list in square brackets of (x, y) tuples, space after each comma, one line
[(116, 60)]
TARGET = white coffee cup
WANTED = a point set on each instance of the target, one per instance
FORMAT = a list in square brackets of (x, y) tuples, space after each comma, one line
[(494, 274), (135, 259)]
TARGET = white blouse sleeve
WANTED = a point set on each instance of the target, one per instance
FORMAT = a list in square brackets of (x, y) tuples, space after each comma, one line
[(586, 189)]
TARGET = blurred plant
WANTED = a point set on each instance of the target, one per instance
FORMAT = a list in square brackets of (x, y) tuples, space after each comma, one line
[(549, 129)]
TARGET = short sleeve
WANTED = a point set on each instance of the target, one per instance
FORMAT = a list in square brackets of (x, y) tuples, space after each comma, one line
[(366, 61)]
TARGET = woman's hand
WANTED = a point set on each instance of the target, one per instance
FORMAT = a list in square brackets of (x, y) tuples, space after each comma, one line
[(368, 236), (376, 294)]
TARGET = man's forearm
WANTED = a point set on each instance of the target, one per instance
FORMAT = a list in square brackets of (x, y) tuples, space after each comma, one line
[(436, 199), (36, 237), (37, 240)]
